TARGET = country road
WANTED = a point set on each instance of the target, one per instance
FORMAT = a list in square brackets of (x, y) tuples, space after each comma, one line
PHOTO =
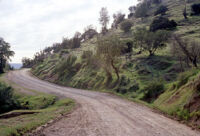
[(101, 114)]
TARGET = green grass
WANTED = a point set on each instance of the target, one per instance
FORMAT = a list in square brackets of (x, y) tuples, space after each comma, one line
[(20, 125), (46, 107)]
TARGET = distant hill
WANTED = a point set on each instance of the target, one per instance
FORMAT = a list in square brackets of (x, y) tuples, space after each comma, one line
[(16, 65)]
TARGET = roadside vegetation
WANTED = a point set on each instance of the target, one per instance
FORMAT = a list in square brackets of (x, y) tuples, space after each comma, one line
[(150, 57), (21, 113)]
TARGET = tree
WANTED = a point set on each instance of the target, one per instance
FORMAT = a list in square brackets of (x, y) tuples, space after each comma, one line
[(108, 50), (190, 49), (27, 62), (104, 19), (5, 54), (141, 10), (132, 10), (118, 18), (126, 25), (195, 9), (89, 32), (162, 23), (161, 10), (151, 41), (76, 40)]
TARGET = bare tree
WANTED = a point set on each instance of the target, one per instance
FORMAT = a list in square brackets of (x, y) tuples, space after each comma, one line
[(104, 19)]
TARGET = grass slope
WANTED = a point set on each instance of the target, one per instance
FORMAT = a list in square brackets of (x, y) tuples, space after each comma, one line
[(139, 71)]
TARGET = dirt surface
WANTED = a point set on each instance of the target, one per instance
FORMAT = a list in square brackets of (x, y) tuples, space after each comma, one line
[(101, 114)]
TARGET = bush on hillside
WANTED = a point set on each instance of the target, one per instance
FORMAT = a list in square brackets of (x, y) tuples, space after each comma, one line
[(195, 9), (126, 25), (7, 99), (162, 23), (153, 91), (161, 10)]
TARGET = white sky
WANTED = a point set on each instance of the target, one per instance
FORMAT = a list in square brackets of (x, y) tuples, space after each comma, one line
[(31, 25)]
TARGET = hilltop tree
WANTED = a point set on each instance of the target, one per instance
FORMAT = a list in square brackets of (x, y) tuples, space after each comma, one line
[(118, 18), (5, 54), (108, 51), (104, 19), (89, 32)]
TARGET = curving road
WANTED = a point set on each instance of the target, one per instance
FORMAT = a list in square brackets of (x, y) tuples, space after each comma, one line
[(101, 114)]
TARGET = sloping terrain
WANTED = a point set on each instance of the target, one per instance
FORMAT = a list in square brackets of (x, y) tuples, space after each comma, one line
[(102, 114), (160, 81)]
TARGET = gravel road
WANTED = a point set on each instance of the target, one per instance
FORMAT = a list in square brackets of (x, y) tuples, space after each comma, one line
[(101, 114)]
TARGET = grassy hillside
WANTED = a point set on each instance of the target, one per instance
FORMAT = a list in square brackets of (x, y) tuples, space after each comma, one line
[(160, 80)]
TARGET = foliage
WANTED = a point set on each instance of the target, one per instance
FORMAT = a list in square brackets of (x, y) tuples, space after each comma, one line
[(141, 10), (5, 54), (195, 9), (27, 62), (188, 49), (7, 100), (161, 10), (89, 32), (118, 18), (108, 50), (162, 23), (150, 41), (153, 90), (126, 25)]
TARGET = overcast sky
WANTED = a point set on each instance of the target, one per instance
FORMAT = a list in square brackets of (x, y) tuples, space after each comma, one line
[(31, 25)]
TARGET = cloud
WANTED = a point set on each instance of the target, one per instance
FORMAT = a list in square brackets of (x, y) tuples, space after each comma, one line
[(31, 25)]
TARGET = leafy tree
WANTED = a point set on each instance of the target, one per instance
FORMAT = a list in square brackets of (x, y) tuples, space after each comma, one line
[(108, 51), (126, 25), (162, 23), (27, 62), (89, 32), (118, 18), (195, 9), (161, 10), (5, 54), (104, 19), (7, 100), (141, 10), (151, 41), (187, 48), (132, 10)]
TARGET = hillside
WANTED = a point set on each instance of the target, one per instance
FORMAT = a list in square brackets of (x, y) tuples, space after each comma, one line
[(162, 81)]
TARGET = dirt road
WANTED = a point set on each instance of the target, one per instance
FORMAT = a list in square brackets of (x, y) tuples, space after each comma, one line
[(101, 114)]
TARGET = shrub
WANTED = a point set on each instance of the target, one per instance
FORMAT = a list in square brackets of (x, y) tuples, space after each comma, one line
[(161, 10), (162, 23), (7, 99), (195, 9), (126, 25), (153, 90)]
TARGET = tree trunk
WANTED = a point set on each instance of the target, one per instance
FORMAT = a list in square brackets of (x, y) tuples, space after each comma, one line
[(1, 65), (116, 70)]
